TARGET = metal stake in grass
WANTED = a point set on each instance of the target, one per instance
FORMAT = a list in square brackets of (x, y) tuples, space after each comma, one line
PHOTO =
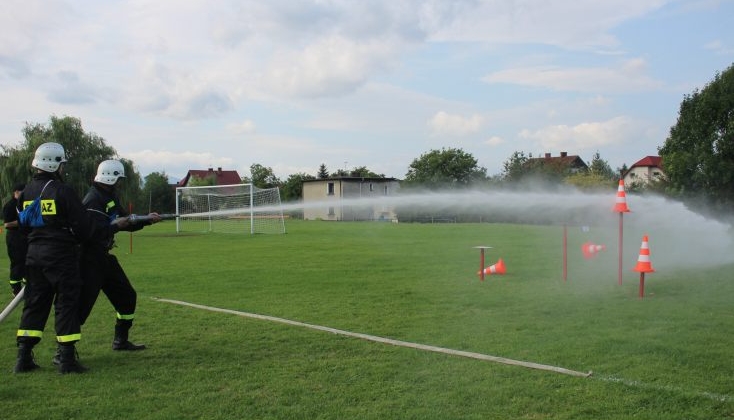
[(481, 260), (621, 208)]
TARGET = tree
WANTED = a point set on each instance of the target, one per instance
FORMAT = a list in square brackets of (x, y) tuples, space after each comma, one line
[(363, 172), (84, 151), (292, 189), (600, 176), (601, 168), (339, 174), (323, 173), (698, 155), (202, 181), (513, 167), (445, 168), (263, 177), (160, 194), (129, 189)]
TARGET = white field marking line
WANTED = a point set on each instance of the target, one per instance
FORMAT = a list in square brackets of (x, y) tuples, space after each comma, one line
[(638, 384), (425, 347)]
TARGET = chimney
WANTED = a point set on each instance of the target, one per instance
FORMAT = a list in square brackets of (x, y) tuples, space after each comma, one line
[(219, 169), (210, 169), (547, 155), (564, 154)]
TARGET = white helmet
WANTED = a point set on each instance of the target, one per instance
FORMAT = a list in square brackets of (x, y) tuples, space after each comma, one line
[(109, 171), (49, 156)]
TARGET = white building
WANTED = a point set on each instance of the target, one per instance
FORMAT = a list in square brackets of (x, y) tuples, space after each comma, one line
[(349, 198)]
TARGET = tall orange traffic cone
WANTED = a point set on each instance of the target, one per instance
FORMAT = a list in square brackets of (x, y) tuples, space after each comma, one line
[(497, 268), (590, 250), (643, 261), (620, 205)]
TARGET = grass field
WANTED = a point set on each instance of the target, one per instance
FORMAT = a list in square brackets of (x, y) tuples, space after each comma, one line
[(667, 356)]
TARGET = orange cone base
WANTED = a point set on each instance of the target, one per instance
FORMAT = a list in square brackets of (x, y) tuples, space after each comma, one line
[(591, 250), (497, 268)]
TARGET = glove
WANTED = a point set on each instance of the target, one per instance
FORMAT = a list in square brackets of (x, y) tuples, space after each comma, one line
[(17, 286)]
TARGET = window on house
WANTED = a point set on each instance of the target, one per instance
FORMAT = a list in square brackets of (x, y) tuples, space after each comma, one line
[(331, 211), (633, 175), (330, 188), (372, 187), (656, 173)]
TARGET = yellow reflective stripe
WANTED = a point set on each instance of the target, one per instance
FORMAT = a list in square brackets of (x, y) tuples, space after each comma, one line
[(48, 207), (68, 338), (29, 333), (110, 205), (15, 281), (125, 317)]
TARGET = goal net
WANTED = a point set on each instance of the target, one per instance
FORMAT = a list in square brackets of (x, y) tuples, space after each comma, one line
[(240, 208)]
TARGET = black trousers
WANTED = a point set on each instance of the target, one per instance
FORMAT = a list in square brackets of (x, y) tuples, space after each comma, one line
[(57, 286), (103, 272), (17, 246)]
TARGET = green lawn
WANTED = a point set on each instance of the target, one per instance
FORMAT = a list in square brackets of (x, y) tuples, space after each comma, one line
[(667, 356)]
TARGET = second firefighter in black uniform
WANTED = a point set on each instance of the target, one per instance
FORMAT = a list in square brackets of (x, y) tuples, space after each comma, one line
[(101, 269)]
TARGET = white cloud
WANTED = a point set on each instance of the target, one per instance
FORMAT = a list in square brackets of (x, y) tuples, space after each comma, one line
[(585, 136), (244, 127), (628, 76), (176, 163), (444, 123), (567, 23), (719, 48), (327, 67), (494, 141)]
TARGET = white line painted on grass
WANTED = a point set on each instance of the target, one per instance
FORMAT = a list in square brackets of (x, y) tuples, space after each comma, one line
[(425, 347), (638, 384), (479, 356)]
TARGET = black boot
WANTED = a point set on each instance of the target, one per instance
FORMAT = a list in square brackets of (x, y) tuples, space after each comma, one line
[(25, 361), (121, 342), (69, 360)]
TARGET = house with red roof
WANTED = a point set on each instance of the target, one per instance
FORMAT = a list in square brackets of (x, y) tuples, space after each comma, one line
[(570, 163), (645, 170), (218, 177)]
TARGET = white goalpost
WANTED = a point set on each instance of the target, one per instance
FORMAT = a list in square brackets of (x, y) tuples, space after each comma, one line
[(238, 208)]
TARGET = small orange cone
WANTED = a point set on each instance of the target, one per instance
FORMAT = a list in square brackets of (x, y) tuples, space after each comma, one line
[(497, 268), (590, 250), (643, 261), (621, 202)]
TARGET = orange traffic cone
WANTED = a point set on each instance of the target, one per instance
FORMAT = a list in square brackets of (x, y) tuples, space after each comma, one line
[(643, 261), (497, 268), (590, 250), (621, 202)]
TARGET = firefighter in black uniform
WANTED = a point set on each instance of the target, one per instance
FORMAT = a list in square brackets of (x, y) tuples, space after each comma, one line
[(52, 261), (100, 269), (15, 241)]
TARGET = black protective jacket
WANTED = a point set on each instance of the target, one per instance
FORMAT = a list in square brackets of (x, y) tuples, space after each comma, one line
[(66, 223), (104, 207)]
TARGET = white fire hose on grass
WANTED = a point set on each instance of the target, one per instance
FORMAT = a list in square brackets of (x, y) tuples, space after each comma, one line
[(13, 303)]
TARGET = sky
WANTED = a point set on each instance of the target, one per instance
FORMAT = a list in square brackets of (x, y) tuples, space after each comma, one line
[(291, 85)]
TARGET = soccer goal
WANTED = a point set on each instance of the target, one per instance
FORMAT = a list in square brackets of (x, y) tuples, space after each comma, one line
[(240, 208)]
